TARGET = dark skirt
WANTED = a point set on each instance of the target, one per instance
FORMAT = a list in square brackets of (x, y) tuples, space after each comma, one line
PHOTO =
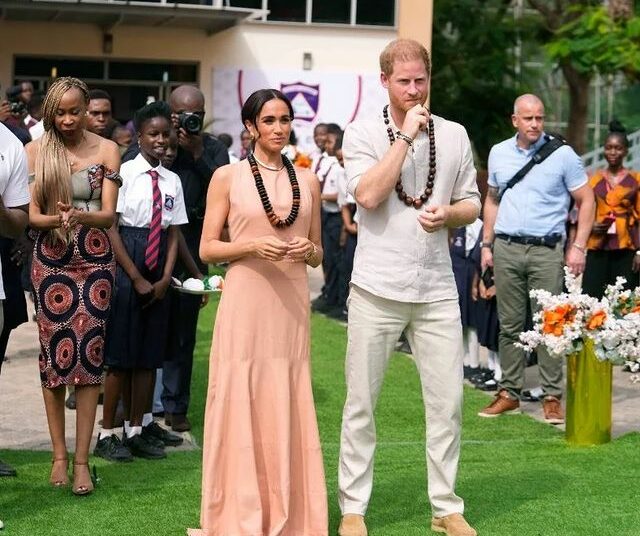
[(137, 335), (464, 269), (487, 323), (604, 266), (72, 287)]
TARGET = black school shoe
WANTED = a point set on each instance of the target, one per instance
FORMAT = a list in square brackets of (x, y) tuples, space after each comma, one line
[(481, 377), (6, 469), (111, 448), (141, 448), (166, 438), (469, 372), (489, 385)]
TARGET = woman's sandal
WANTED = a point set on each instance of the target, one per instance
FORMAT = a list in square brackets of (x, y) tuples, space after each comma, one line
[(58, 479), (84, 488)]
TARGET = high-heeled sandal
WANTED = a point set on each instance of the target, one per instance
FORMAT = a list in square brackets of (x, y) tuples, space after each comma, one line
[(84, 489), (55, 479)]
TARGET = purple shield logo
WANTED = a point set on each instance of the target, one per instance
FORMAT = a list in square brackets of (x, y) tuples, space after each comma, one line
[(304, 99)]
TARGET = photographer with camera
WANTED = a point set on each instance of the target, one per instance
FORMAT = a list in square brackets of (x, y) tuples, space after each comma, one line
[(199, 155), (12, 113)]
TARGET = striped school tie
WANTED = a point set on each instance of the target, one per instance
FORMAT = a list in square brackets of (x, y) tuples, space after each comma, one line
[(153, 240)]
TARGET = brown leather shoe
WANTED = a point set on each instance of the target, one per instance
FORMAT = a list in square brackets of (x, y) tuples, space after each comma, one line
[(452, 525), (503, 404), (178, 422), (352, 525), (553, 413)]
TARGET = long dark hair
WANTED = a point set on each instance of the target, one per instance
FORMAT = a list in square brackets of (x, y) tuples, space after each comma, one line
[(253, 105)]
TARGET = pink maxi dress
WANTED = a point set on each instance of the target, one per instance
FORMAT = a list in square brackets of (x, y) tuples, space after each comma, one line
[(263, 473)]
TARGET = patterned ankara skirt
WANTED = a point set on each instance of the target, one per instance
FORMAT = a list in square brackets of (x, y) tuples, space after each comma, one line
[(72, 288)]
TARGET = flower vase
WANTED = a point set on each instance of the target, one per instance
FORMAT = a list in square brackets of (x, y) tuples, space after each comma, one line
[(589, 387)]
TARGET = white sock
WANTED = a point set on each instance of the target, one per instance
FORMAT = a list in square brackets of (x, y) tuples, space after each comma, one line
[(105, 432), (127, 427), (494, 364), (134, 430), (471, 347), (147, 419)]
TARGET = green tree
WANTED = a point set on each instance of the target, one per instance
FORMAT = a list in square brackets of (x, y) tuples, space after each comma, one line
[(473, 79), (585, 38)]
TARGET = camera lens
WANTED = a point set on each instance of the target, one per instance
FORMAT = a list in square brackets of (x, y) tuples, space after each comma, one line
[(191, 123)]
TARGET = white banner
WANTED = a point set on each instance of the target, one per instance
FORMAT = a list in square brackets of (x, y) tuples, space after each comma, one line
[(317, 97)]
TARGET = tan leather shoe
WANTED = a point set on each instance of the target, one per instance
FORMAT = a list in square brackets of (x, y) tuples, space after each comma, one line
[(352, 525), (452, 525), (552, 409), (503, 404)]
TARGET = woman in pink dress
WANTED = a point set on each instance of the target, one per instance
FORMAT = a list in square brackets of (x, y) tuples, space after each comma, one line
[(262, 461)]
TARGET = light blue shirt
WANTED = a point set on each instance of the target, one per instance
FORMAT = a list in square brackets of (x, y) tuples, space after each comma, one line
[(537, 205)]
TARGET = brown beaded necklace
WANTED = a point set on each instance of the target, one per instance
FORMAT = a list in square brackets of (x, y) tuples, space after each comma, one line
[(402, 195), (264, 197)]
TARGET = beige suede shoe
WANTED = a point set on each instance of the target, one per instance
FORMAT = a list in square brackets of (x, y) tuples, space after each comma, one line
[(452, 525), (352, 525)]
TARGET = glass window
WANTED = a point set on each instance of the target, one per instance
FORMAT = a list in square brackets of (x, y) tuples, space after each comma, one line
[(253, 4), (121, 70), (287, 10), (376, 12), (335, 11), (26, 67)]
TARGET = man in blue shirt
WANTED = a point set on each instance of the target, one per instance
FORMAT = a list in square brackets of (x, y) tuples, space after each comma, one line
[(523, 240)]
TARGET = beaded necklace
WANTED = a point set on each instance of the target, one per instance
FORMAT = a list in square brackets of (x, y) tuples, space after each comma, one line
[(264, 197), (406, 199)]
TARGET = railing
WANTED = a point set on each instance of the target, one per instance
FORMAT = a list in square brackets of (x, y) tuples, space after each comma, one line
[(595, 159)]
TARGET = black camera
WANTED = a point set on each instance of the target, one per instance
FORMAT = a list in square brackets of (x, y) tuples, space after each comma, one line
[(15, 103), (191, 122), (17, 107)]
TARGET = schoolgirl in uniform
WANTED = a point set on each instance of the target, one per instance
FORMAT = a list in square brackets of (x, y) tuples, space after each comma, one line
[(145, 241)]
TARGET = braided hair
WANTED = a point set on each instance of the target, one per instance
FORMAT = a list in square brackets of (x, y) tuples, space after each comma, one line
[(52, 167)]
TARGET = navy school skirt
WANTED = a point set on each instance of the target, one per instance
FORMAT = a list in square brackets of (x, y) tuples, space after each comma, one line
[(137, 335)]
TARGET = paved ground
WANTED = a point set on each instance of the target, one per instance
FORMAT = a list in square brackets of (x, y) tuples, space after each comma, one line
[(23, 424)]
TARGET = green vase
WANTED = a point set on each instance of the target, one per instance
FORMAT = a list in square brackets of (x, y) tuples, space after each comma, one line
[(589, 385)]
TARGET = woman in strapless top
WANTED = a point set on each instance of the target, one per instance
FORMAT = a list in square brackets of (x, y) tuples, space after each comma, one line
[(74, 192)]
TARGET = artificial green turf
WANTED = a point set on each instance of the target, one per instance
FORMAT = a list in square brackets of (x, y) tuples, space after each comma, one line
[(517, 476)]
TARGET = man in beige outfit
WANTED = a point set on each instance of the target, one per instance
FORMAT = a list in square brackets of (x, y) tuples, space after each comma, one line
[(412, 176)]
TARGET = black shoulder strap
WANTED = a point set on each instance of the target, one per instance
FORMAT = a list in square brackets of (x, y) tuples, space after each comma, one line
[(552, 144)]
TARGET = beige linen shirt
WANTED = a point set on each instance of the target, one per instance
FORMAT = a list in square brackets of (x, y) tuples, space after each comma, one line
[(396, 258)]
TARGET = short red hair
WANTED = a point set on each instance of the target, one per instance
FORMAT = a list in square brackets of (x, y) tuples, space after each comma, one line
[(403, 50)]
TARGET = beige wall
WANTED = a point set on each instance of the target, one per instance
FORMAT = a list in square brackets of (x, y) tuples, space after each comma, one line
[(415, 20)]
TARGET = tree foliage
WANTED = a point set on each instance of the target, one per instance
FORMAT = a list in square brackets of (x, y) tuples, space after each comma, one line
[(595, 42), (585, 38), (473, 80)]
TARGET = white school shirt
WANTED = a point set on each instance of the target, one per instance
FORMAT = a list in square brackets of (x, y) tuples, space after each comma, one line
[(135, 195), (344, 196), (14, 178), (472, 235), (329, 176), (37, 130), (319, 162)]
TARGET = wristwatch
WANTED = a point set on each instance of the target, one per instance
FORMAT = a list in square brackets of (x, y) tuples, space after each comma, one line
[(488, 245)]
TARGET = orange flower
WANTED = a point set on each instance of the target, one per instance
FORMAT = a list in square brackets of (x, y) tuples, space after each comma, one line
[(636, 309), (555, 319), (302, 160), (596, 320)]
